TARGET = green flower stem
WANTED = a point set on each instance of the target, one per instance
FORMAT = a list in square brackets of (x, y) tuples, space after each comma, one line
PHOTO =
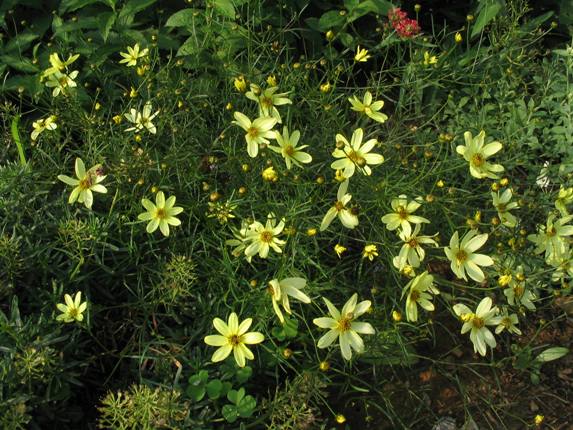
[(16, 137)]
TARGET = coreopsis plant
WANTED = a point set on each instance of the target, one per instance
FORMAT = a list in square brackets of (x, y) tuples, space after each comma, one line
[(476, 154), (42, 124), (412, 252), (72, 310), (361, 55), (288, 148), (417, 292), (239, 242), (263, 238), (280, 292), (551, 239), (57, 65), (403, 215), (353, 154), (267, 100), (509, 323), (61, 82), (161, 214), (342, 325), (368, 107), (503, 205), (233, 337), (86, 182), (463, 258), (133, 55), (564, 198), (516, 290), (142, 120), (258, 131), (476, 323), (370, 251), (340, 209)]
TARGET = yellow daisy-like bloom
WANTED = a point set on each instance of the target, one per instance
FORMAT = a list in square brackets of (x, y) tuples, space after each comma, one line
[(58, 65), (42, 124), (362, 55), (132, 55), (61, 82), (161, 214), (553, 238), (233, 338), (240, 84), (370, 251), (476, 323), (340, 210), (339, 249), (463, 257), (368, 108), (343, 326), (355, 154), (429, 59), (258, 131), (412, 254), (503, 205), (264, 237), (476, 153), (418, 293), (288, 148), (142, 120), (281, 290), (268, 100), (402, 215), (73, 309), (85, 183), (458, 37)]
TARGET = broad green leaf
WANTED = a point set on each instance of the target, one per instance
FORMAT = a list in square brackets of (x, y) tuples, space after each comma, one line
[(552, 354), (183, 18), (106, 24), (247, 406), (235, 396), (214, 388), (19, 63), (134, 6), (20, 43), (189, 47), (533, 24), (230, 413), (225, 8), (244, 374), (331, 19), (369, 6), (488, 12), (72, 5)]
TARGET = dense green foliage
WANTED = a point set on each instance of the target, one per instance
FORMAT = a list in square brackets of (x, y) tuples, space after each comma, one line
[(136, 357)]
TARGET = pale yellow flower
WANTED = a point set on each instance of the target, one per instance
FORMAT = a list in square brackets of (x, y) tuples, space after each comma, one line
[(263, 238), (370, 251), (281, 290), (355, 154), (288, 148), (476, 323), (361, 55), (161, 214), (132, 55), (233, 338), (73, 309), (342, 325), (85, 183), (402, 215), (267, 100), (368, 107), (476, 154), (340, 210), (258, 131), (42, 124), (463, 257)]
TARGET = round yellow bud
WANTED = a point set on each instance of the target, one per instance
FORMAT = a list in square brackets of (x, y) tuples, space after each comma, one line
[(140, 181), (311, 232), (320, 180), (397, 316), (495, 186), (504, 182), (330, 35), (495, 221), (340, 419), (270, 174), (417, 7), (287, 353), (440, 184), (469, 18), (214, 196), (324, 366), (154, 189), (253, 283), (458, 37), (242, 190)]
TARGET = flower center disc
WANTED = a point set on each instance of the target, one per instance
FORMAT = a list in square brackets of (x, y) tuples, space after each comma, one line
[(289, 150), (160, 214), (266, 236), (402, 212), (344, 324), (461, 256), (478, 322), (253, 132), (478, 160), (234, 340)]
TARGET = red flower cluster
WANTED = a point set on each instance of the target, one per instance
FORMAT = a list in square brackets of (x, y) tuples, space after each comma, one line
[(404, 26)]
